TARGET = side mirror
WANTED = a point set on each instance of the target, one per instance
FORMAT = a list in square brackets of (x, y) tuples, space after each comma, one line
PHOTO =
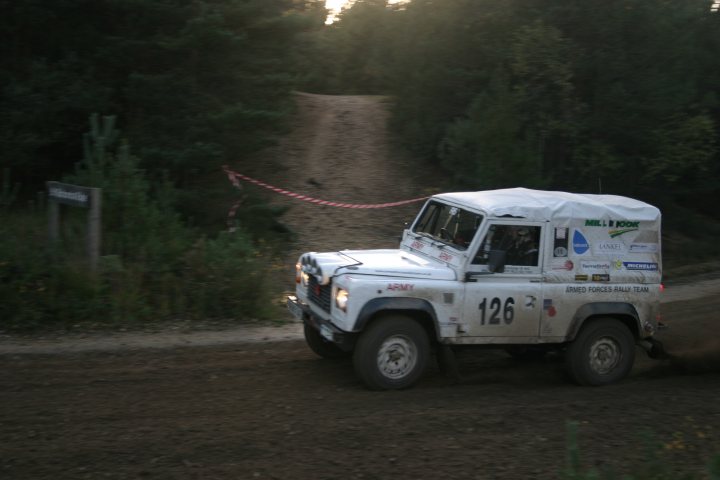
[(496, 261)]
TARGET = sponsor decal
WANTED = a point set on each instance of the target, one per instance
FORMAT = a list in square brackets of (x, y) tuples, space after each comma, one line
[(417, 245), (595, 223), (609, 248), (573, 289), (619, 227), (549, 307), (560, 247), (600, 277), (630, 288), (645, 266), (404, 287), (580, 243), (607, 289), (581, 278), (625, 224), (566, 265), (595, 265), (619, 224), (643, 248), (445, 257), (620, 231)]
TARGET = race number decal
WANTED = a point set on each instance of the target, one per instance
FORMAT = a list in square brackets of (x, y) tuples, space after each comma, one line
[(497, 309)]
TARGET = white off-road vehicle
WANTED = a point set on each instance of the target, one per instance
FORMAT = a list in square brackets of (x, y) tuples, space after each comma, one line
[(524, 270)]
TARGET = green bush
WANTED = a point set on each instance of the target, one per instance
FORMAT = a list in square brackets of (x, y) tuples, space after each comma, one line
[(152, 267), (224, 277), (652, 467), (40, 286), (50, 288)]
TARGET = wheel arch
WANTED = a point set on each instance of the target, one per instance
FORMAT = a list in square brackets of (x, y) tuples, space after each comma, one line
[(626, 313), (417, 308)]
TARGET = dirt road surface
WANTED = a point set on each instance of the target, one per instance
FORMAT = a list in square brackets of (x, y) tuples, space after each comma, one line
[(256, 403)]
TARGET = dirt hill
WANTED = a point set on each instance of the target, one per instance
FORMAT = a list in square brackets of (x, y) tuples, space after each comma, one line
[(339, 149)]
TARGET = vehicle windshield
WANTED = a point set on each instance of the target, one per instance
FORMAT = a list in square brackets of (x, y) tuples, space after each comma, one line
[(448, 224)]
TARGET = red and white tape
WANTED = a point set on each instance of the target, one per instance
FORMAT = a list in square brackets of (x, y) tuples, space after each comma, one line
[(235, 178)]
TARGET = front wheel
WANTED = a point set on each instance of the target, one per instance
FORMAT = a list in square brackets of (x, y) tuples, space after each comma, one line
[(602, 353), (392, 353)]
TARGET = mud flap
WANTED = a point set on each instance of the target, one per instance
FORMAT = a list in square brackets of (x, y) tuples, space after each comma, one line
[(654, 348), (448, 363)]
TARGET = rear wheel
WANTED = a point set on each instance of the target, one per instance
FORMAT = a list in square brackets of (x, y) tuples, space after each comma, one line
[(392, 353), (321, 346), (602, 353)]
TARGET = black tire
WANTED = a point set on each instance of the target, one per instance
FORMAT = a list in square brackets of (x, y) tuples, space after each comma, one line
[(602, 353), (321, 346), (392, 353)]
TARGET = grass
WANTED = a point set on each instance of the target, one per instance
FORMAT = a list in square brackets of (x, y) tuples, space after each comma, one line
[(652, 467)]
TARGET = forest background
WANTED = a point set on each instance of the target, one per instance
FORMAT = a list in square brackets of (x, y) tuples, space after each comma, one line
[(613, 96)]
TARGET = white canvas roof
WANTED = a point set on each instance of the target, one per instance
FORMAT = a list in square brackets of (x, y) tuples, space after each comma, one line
[(540, 205)]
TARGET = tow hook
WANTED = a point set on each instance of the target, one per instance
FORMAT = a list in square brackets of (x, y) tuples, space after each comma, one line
[(654, 348)]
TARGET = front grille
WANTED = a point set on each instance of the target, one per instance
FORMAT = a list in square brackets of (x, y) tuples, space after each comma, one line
[(318, 294)]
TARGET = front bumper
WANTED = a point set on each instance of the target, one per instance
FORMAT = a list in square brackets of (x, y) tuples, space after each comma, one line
[(331, 333)]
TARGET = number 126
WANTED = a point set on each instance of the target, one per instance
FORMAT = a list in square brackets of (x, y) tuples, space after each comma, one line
[(496, 309)]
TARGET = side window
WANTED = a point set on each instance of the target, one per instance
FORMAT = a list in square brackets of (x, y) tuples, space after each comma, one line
[(521, 243)]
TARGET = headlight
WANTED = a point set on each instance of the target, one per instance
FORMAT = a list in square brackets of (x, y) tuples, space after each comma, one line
[(341, 299), (301, 276)]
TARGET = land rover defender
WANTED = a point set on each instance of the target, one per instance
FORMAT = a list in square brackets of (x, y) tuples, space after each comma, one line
[(524, 270)]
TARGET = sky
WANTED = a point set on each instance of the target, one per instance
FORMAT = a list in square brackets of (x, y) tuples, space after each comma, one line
[(336, 5)]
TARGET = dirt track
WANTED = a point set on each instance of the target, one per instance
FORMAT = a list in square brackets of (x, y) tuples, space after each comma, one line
[(224, 407), (339, 151)]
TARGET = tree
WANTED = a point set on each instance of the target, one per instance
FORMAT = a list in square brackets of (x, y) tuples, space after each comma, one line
[(196, 82), (487, 149)]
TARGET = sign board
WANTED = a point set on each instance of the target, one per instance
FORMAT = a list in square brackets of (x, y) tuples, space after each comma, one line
[(68, 194), (76, 196)]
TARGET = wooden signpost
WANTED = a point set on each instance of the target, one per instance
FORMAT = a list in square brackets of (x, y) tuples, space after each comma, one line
[(76, 196)]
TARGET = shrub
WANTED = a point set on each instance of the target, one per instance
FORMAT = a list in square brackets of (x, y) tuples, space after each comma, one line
[(224, 277), (652, 468), (152, 267)]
